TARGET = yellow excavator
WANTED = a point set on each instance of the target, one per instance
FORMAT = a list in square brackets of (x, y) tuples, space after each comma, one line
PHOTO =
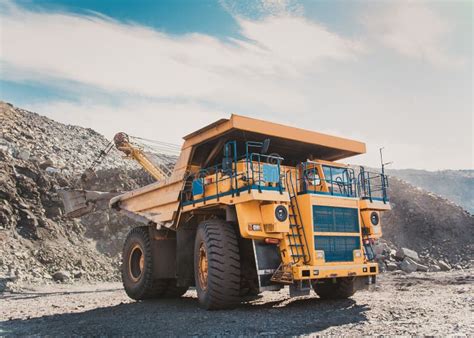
[(79, 202)]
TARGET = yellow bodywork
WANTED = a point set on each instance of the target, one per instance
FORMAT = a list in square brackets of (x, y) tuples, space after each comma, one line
[(255, 212)]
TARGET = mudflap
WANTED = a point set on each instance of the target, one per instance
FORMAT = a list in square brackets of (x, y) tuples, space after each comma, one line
[(185, 236), (267, 261), (164, 253)]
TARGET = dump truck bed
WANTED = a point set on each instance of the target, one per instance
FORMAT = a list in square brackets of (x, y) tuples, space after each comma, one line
[(159, 202)]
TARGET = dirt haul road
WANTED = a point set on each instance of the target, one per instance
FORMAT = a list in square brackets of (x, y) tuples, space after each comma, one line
[(420, 303)]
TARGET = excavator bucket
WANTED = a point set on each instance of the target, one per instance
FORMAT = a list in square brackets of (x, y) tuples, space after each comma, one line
[(78, 203)]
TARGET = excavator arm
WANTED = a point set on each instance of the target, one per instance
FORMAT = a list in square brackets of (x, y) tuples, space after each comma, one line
[(79, 202), (123, 144)]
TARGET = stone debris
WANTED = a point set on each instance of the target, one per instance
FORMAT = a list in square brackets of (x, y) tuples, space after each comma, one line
[(444, 266), (391, 258)]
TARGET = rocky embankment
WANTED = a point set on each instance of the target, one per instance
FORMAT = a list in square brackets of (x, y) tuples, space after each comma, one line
[(454, 185), (38, 156), (438, 229)]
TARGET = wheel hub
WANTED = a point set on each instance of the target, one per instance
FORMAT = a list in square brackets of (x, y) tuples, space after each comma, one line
[(136, 263), (203, 267)]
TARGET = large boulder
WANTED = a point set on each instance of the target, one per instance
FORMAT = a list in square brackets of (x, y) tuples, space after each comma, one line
[(408, 265), (392, 266), (61, 276), (404, 252)]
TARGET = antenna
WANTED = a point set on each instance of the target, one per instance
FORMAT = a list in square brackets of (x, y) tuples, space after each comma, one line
[(382, 162)]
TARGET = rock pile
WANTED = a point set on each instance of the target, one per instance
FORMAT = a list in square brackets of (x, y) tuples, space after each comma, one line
[(55, 147), (455, 185), (36, 242), (38, 156), (391, 258), (429, 224)]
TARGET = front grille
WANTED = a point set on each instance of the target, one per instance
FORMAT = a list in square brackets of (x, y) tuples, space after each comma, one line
[(337, 248), (335, 219)]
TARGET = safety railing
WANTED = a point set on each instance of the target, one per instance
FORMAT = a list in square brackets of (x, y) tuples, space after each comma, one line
[(265, 171), (372, 186), (260, 171)]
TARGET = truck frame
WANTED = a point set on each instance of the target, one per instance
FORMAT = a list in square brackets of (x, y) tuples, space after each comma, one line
[(253, 206)]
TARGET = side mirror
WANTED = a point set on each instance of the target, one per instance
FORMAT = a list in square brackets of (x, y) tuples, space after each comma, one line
[(265, 146)]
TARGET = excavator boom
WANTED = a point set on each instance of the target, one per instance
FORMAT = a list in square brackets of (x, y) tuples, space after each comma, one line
[(123, 144), (79, 202)]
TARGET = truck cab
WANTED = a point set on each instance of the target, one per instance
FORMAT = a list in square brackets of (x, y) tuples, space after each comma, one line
[(253, 206)]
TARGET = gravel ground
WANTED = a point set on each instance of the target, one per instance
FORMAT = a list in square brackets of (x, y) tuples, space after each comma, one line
[(420, 303)]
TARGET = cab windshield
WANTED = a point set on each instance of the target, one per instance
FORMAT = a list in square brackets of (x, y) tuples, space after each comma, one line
[(339, 180)]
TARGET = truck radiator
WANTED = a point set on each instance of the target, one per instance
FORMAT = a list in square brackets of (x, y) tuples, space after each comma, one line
[(336, 220), (337, 248)]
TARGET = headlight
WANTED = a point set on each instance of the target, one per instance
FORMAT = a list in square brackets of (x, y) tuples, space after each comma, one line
[(255, 227), (281, 213), (374, 218)]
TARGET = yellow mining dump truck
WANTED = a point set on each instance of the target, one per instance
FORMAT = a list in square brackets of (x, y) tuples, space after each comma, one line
[(253, 206)]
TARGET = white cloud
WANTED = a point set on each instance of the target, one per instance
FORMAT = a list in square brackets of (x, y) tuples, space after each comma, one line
[(285, 68), (128, 58), (414, 30)]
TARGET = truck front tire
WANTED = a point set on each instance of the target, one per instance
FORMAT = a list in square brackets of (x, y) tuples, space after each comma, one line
[(217, 265), (340, 288), (137, 269)]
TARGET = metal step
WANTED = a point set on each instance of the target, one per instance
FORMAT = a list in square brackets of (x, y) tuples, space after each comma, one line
[(298, 255), (283, 275), (293, 235)]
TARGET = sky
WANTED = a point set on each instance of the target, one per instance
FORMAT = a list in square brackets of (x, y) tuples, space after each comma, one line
[(393, 74)]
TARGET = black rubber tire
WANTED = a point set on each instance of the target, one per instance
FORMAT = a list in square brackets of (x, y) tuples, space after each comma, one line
[(145, 287), (342, 288), (223, 282)]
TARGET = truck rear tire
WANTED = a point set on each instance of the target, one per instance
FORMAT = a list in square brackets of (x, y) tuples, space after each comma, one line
[(341, 288), (137, 267), (217, 265)]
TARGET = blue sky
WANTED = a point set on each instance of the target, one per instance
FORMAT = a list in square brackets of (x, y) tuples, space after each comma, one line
[(393, 74)]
